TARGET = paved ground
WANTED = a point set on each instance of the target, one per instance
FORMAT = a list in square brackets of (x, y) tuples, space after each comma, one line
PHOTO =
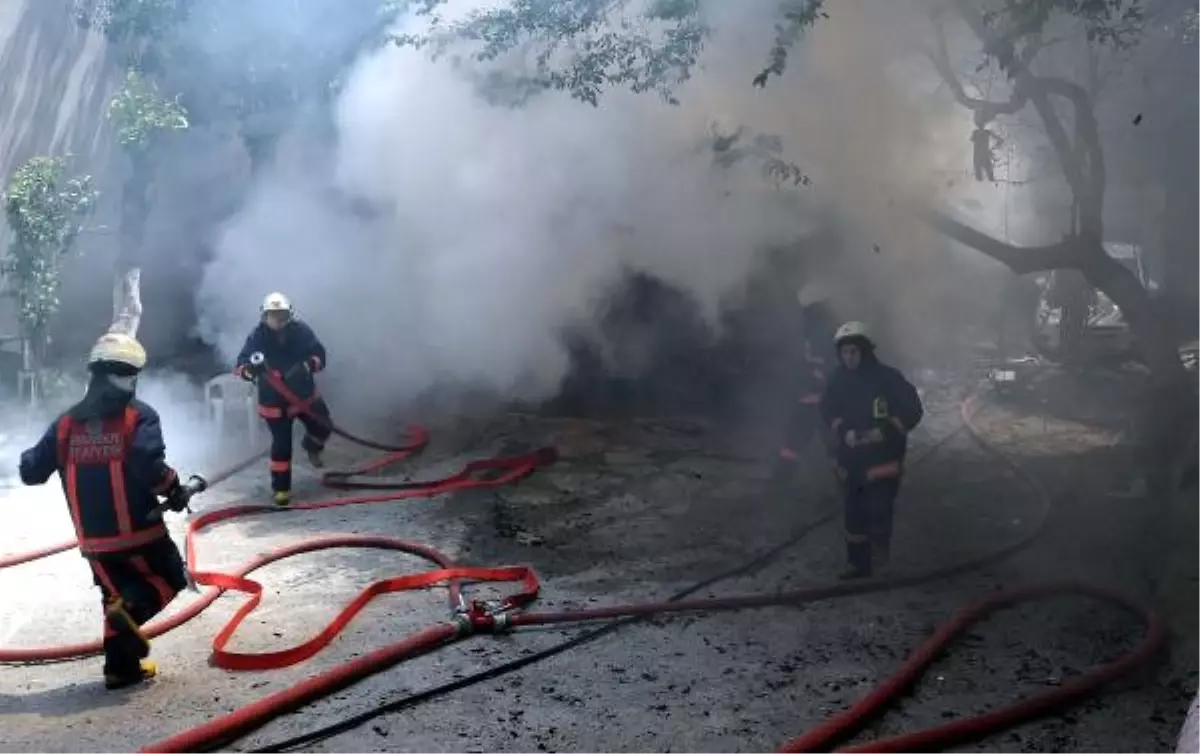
[(639, 510)]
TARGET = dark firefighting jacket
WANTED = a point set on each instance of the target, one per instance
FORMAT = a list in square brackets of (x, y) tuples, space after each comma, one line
[(874, 396), (819, 328), (112, 472), (293, 353)]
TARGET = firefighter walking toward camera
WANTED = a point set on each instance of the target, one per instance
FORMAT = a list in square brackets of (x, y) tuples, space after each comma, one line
[(287, 349), (108, 451), (870, 408)]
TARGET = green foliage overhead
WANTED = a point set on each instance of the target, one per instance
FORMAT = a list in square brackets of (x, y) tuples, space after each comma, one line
[(143, 29), (253, 61), (141, 113), (127, 20), (766, 149), (1108, 22), (585, 46), (44, 209)]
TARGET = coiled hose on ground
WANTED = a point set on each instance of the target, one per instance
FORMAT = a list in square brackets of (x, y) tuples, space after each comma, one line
[(469, 617)]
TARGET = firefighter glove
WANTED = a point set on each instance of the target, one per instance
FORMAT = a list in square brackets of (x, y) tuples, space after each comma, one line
[(178, 497), (26, 468)]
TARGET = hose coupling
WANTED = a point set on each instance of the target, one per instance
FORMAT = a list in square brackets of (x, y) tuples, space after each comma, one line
[(463, 607), (490, 616), (463, 624)]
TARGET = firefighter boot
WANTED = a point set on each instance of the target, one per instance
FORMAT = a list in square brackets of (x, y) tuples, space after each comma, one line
[(858, 562), (314, 458), (128, 631), (858, 557), (283, 498), (114, 680), (313, 449), (854, 572)]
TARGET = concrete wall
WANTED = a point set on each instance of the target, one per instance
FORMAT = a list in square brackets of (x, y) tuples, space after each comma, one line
[(55, 83)]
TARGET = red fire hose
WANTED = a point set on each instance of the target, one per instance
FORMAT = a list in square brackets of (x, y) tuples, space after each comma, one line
[(471, 617)]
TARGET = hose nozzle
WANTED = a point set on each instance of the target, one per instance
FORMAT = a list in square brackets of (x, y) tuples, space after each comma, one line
[(196, 484), (257, 359)]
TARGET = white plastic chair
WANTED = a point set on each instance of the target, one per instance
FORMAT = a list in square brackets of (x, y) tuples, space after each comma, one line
[(227, 393)]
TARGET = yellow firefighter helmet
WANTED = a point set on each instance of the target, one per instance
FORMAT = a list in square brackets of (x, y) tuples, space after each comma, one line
[(118, 348)]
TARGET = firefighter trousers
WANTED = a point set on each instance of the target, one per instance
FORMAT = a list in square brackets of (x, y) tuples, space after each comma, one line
[(869, 509), (135, 585), (316, 432)]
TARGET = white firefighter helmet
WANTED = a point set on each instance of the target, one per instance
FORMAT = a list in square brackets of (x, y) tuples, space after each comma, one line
[(852, 329), (276, 302), (812, 292), (118, 348)]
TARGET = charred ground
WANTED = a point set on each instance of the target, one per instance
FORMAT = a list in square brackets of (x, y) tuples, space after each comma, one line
[(639, 508)]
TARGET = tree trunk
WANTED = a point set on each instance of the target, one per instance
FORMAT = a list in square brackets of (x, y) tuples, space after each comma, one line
[(1180, 238), (1076, 296), (1155, 342), (1147, 323), (33, 364), (127, 301), (127, 277), (1168, 414)]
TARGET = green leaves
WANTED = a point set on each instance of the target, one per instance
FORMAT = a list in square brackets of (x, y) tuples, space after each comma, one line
[(127, 20), (580, 47), (583, 47), (1117, 23), (43, 208), (140, 112), (797, 16), (145, 30), (731, 149)]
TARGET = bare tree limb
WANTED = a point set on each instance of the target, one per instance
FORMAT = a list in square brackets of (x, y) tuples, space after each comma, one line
[(1095, 177), (127, 302), (1038, 89), (940, 57), (1022, 260)]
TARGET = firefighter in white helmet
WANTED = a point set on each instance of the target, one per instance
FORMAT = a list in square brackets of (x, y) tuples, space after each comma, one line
[(108, 451), (870, 408), (287, 347)]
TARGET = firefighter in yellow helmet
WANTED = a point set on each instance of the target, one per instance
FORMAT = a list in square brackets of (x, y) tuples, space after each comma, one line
[(289, 348), (109, 453), (870, 408)]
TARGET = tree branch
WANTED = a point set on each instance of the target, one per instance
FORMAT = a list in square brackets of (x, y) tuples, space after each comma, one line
[(1037, 89), (1022, 260), (1095, 177), (940, 57)]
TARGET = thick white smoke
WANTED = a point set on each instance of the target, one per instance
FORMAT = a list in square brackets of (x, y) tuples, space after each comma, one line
[(495, 228), (492, 229)]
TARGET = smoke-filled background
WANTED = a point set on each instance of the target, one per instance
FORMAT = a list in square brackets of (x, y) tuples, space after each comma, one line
[(439, 239)]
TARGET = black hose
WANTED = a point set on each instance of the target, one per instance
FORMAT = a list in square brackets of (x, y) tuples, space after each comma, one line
[(420, 697), (342, 726)]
